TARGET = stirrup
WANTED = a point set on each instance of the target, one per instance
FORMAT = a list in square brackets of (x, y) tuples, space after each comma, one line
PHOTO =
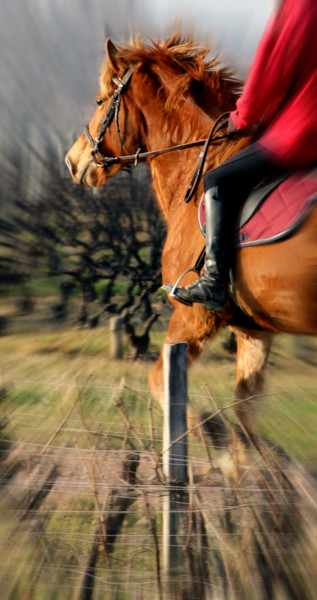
[(175, 286), (167, 287)]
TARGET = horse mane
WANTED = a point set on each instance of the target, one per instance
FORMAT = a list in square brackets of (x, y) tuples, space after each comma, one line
[(193, 68)]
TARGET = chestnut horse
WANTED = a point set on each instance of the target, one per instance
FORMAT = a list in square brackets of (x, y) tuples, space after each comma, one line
[(164, 94)]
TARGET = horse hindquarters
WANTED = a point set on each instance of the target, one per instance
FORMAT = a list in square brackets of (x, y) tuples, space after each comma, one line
[(277, 283)]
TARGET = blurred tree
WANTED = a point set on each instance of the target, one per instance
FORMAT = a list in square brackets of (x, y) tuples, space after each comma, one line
[(82, 238)]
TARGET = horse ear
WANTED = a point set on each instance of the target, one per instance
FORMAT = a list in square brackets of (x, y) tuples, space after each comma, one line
[(112, 53)]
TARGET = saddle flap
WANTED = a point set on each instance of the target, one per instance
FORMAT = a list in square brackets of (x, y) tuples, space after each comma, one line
[(257, 197)]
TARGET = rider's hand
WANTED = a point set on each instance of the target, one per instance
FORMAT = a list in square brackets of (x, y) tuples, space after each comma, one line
[(231, 127)]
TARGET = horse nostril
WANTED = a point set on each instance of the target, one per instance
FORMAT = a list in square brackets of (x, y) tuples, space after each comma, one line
[(69, 165)]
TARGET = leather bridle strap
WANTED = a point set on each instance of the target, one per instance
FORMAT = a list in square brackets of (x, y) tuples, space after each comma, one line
[(112, 112), (138, 156)]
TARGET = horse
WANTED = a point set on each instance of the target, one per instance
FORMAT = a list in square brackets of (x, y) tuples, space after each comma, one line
[(156, 101)]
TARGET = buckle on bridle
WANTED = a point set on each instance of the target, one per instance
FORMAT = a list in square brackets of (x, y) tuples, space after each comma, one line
[(118, 82)]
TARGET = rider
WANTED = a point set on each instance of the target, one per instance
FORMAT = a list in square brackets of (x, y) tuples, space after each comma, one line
[(279, 103)]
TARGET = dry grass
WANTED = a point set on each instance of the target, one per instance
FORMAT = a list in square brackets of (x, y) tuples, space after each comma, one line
[(65, 436)]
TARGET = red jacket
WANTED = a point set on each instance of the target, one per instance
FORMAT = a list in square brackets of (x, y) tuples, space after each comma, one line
[(280, 94)]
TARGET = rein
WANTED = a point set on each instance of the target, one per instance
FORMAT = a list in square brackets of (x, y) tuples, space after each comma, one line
[(113, 113)]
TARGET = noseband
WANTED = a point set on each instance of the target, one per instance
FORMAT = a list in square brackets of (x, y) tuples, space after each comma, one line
[(113, 113)]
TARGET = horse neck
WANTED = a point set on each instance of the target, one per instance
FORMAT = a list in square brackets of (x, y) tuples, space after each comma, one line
[(173, 171)]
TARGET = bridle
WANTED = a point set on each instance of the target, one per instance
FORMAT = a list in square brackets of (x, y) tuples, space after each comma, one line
[(113, 113)]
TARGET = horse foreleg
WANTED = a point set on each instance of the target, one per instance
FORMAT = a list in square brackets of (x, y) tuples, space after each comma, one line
[(252, 356), (192, 325)]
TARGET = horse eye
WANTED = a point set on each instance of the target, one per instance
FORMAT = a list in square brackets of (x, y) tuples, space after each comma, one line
[(99, 101)]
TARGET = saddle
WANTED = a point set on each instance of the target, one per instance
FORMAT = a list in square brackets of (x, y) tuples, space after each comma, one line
[(274, 210)]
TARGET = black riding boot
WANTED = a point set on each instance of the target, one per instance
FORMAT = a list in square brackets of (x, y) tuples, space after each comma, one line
[(211, 288)]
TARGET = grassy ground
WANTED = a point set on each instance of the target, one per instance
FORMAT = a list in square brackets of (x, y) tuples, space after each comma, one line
[(43, 368), (59, 390)]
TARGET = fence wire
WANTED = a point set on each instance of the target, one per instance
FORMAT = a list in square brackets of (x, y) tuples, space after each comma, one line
[(82, 503)]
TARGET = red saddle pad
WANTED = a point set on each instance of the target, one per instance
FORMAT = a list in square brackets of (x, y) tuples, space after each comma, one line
[(280, 213)]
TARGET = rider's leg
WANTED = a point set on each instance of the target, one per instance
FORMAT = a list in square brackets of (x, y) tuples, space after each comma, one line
[(222, 202)]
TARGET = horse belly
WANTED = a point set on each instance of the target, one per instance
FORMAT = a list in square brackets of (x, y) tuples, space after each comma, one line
[(277, 283)]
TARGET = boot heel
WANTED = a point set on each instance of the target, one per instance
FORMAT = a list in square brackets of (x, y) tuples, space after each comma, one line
[(214, 306)]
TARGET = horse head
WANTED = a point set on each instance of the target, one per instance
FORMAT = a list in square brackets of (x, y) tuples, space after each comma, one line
[(150, 96), (112, 130)]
